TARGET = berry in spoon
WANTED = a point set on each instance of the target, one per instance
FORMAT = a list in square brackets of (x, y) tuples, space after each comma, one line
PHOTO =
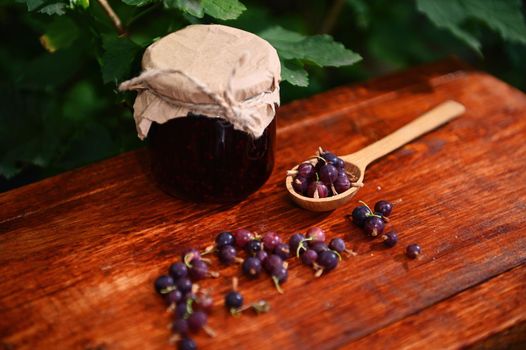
[(328, 174), (317, 189)]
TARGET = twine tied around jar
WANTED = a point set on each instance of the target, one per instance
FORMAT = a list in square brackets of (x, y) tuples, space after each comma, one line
[(241, 114)]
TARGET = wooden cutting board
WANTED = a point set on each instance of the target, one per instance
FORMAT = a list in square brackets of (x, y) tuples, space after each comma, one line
[(79, 251)]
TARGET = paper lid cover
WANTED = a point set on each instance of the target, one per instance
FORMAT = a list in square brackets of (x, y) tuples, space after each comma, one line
[(211, 70)]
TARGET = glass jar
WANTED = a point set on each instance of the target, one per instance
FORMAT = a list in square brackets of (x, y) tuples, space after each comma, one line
[(206, 104), (213, 162)]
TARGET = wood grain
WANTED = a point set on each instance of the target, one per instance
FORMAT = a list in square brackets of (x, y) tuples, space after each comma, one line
[(460, 320), (79, 252)]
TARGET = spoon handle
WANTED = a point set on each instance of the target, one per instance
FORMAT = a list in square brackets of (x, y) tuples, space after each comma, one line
[(428, 121)]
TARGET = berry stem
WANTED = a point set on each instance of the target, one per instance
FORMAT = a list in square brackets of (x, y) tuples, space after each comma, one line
[(211, 333), (276, 284), (208, 250)]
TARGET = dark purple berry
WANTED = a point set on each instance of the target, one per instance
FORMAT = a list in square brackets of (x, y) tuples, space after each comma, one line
[(224, 239), (360, 214), (242, 237), (251, 267), (227, 254), (373, 226), (173, 297), (180, 326), (283, 251), (253, 246), (342, 182), (328, 173), (309, 257), (306, 170), (273, 262), (328, 260), (339, 163), (178, 270), (186, 344), (199, 270), (329, 157), (233, 300), (337, 244), (300, 185), (190, 255), (318, 247), (204, 302), (317, 189), (184, 285), (262, 256), (315, 234), (180, 310), (164, 284), (295, 241), (390, 239), (270, 240), (413, 251), (280, 274), (197, 320), (383, 207)]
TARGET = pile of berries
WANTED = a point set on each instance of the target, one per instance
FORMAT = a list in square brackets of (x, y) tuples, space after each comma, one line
[(373, 225), (191, 305), (312, 250), (323, 176)]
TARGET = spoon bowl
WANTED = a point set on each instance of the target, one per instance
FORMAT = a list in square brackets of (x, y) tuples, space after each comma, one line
[(356, 163)]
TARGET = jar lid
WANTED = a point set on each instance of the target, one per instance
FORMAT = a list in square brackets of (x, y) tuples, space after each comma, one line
[(211, 70)]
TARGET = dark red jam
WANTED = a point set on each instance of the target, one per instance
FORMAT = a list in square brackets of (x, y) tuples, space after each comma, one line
[(205, 159)]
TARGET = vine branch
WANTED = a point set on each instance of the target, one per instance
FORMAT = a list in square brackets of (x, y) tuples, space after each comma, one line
[(332, 16), (113, 16)]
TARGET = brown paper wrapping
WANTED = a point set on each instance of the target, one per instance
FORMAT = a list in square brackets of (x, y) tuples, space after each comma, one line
[(211, 70)]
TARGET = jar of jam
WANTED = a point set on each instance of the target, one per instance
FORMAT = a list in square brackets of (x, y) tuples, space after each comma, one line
[(206, 104)]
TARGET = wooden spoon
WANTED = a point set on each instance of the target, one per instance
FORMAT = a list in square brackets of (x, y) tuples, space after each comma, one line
[(356, 163)]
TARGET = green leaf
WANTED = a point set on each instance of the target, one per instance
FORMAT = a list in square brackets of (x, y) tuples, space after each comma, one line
[(80, 3), (449, 15), (192, 7), (119, 55), (321, 50), (294, 73), (32, 5), (223, 9), (58, 8), (503, 16), (137, 3), (61, 33)]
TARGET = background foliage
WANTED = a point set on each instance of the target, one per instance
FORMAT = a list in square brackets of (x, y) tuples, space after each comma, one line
[(61, 60)]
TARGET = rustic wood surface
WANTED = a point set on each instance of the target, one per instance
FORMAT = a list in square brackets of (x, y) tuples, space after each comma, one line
[(79, 252)]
